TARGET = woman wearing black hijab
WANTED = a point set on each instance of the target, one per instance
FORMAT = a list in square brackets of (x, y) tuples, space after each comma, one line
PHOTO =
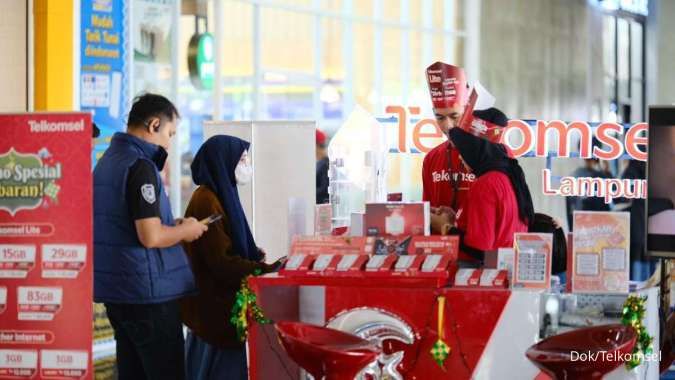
[(220, 260), (499, 203)]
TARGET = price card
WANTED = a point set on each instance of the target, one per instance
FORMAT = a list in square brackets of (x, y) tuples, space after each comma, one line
[(463, 275), (36, 303), (614, 259), (375, 262), (56, 364), (587, 264), (18, 364), (532, 260), (431, 263), (346, 262), (63, 260), (16, 260), (321, 262), (487, 278), (404, 262), (295, 261), (505, 260)]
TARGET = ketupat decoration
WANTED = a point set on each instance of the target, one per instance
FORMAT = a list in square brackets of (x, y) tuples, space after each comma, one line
[(440, 350), (52, 191), (245, 305), (633, 314)]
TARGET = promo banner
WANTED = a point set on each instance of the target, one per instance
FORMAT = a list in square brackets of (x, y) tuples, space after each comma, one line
[(104, 68), (46, 246), (600, 252)]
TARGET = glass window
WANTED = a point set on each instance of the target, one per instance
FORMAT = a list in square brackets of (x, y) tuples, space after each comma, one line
[(459, 22), (438, 48), (334, 6), (297, 83), (195, 106), (391, 60), (610, 84), (238, 39), (637, 100), (458, 44), (448, 15), (362, 54), (415, 13), (331, 48), (609, 47), (416, 57), (332, 70), (288, 101), (277, 28), (364, 8), (293, 3), (623, 55), (391, 11), (636, 50), (438, 15)]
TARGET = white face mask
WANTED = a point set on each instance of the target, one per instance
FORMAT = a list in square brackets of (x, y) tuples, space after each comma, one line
[(243, 173)]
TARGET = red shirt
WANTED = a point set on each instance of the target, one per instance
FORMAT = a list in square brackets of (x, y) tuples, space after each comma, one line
[(490, 216), (436, 180)]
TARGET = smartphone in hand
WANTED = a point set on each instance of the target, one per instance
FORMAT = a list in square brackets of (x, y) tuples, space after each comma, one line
[(211, 219), (277, 265)]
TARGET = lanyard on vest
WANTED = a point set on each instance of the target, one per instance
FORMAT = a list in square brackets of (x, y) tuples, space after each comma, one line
[(454, 184)]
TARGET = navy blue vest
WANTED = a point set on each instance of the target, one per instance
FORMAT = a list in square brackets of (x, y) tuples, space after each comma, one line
[(124, 270)]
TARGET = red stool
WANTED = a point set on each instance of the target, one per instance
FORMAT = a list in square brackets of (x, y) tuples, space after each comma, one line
[(326, 352), (553, 355)]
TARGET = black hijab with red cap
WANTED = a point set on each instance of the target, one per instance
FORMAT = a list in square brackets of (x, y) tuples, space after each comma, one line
[(483, 156)]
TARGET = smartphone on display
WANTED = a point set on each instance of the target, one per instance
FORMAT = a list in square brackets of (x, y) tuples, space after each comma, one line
[(660, 210)]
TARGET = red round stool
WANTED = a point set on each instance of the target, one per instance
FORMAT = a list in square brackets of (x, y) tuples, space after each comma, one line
[(326, 352), (553, 355)]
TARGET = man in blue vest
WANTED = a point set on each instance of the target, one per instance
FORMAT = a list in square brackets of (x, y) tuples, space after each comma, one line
[(140, 269)]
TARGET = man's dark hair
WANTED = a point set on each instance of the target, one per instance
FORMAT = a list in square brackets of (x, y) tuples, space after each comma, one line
[(147, 106)]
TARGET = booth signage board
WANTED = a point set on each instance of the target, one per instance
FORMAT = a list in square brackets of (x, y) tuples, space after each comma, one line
[(600, 252), (410, 136), (104, 69), (46, 246)]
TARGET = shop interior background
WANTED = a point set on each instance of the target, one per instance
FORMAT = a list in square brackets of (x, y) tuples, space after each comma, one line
[(572, 60)]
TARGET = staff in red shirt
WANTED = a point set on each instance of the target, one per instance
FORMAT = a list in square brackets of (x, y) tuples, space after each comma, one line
[(499, 203), (445, 181)]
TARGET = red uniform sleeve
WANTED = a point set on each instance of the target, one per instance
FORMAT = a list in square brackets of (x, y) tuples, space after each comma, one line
[(426, 180), (481, 217)]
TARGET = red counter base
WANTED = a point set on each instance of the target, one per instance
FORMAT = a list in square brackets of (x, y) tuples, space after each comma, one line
[(470, 318)]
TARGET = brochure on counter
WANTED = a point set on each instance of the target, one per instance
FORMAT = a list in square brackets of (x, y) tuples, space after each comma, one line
[(600, 252)]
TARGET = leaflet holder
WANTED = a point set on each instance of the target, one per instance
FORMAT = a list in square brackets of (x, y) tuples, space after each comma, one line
[(380, 265), (298, 264), (325, 264), (407, 265), (351, 265)]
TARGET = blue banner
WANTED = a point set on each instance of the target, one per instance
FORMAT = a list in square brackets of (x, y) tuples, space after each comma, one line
[(104, 75)]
